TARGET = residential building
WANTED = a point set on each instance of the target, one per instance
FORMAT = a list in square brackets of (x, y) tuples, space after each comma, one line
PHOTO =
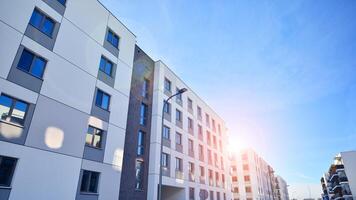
[(281, 188), (65, 81), (193, 167), (252, 177), (339, 182)]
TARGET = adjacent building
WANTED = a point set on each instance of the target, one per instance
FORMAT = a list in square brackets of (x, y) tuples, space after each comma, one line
[(339, 182), (281, 188), (65, 77), (252, 177)]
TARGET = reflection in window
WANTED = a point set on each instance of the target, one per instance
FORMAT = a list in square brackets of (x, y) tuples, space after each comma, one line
[(42, 22), (139, 174), (113, 39), (12, 110), (32, 63), (105, 66), (94, 137), (140, 143)]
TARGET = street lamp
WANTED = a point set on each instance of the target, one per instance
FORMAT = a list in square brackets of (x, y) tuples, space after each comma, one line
[(181, 91)]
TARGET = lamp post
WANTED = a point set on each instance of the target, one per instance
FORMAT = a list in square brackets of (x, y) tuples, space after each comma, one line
[(181, 91)]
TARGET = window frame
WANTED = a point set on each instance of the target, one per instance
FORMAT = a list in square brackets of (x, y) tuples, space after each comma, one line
[(139, 179), (34, 57), (96, 131), (44, 17), (166, 83), (113, 35), (107, 61), (168, 133), (140, 145), (101, 100), (143, 114), (165, 160), (11, 172), (145, 88), (11, 109), (87, 186)]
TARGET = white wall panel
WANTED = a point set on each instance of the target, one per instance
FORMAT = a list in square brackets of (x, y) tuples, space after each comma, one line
[(17, 91), (90, 16), (123, 78), (114, 147), (10, 40), (42, 174)]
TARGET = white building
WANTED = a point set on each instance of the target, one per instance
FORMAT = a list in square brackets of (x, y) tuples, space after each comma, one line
[(252, 177), (65, 73), (339, 182), (281, 188), (194, 156)]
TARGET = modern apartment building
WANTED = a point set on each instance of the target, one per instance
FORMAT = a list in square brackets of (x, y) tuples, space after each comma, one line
[(281, 188), (339, 182), (65, 77), (252, 177)]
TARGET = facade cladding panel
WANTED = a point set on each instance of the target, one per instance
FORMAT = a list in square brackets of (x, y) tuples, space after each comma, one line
[(141, 92), (49, 138)]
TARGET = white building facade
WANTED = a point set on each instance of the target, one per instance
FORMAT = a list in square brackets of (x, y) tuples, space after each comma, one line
[(281, 188), (65, 73), (195, 159), (252, 177), (339, 182)]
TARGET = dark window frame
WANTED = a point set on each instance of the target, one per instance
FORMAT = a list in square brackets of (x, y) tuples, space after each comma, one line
[(96, 132), (44, 17), (106, 62), (140, 143), (113, 35), (86, 188), (99, 104), (35, 56), (11, 171)]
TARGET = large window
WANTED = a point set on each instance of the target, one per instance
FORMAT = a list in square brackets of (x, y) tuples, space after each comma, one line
[(166, 132), (165, 160), (12, 110), (143, 114), (113, 39), (32, 64), (102, 100), (140, 143), (94, 137), (191, 193), (106, 66), (7, 168), (167, 85), (90, 181), (145, 88), (167, 107), (139, 175), (42, 22), (179, 164), (190, 146), (207, 120), (247, 178), (179, 96), (191, 168), (178, 115), (190, 104), (178, 138)]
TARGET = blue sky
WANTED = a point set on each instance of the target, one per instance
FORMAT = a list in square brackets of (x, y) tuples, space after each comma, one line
[(281, 73)]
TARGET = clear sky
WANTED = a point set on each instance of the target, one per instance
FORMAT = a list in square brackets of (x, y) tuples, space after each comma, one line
[(281, 73)]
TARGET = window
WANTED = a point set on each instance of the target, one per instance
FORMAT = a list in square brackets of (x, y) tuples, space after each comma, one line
[(167, 85), (246, 178), (190, 123), (7, 168), (201, 152), (191, 168), (90, 182), (216, 159), (166, 132), (236, 189), (94, 137), (178, 115), (178, 138), (200, 131), (179, 164), (191, 193), (208, 137), (214, 141), (221, 147), (210, 158), (213, 123), (179, 96), (32, 64), (234, 179), (140, 143), (145, 88), (190, 145), (102, 99), (248, 189), (63, 2), (42, 22), (139, 175), (245, 167), (167, 107), (211, 195), (199, 112), (105, 65), (202, 171), (113, 39), (207, 120), (219, 129), (217, 195), (165, 160), (190, 104), (12, 110), (143, 114)]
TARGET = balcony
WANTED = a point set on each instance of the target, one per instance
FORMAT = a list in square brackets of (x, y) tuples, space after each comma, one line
[(179, 175)]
